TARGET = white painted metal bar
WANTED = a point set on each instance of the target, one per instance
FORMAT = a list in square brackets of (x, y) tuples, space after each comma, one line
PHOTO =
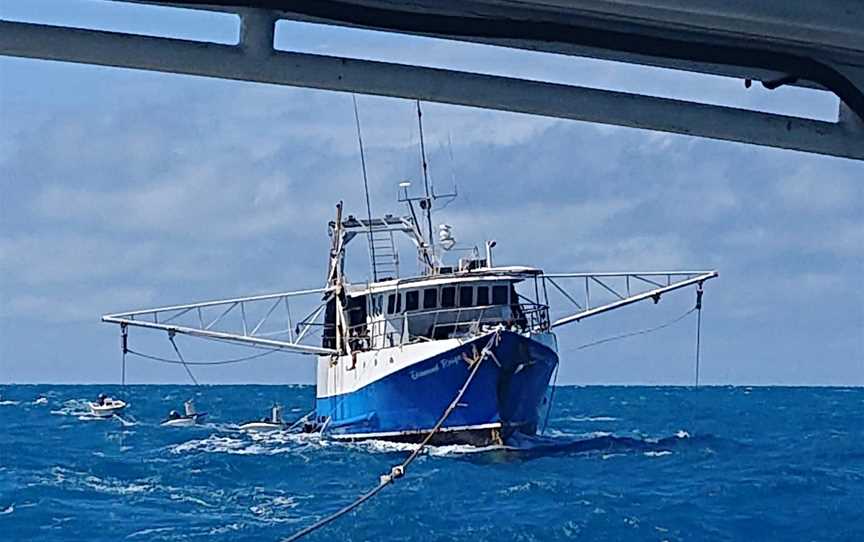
[(298, 348), (648, 281), (249, 62), (204, 304), (309, 323), (288, 313), (563, 291), (221, 316), (626, 274), (607, 287), (655, 293), (178, 315), (265, 317)]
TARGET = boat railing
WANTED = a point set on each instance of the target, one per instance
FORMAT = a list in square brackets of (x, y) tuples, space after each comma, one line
[(435, 324)]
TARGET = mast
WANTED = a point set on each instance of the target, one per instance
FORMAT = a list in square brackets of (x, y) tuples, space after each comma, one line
[(335, 280), (426, 203)]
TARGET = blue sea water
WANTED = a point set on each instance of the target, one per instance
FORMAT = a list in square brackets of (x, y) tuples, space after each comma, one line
[(617, 463)]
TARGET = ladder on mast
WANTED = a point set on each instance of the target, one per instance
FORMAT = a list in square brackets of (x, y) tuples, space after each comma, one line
[(383, 254)]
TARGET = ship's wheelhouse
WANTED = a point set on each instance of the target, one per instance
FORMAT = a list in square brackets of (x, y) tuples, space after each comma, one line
[(398, 312)]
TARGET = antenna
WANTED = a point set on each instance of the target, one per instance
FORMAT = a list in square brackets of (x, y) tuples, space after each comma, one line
[(425, 204), (365, 189), (452, 195)]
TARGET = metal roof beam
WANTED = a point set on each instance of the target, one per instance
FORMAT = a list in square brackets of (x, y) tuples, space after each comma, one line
[(254, 59)]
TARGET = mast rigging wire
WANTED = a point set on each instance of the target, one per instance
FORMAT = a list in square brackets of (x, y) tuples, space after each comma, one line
[(365, 188)]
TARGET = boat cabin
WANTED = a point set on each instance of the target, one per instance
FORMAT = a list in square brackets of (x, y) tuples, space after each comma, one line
[(429, 308)]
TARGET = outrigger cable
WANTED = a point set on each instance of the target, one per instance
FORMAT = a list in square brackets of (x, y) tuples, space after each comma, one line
[(698, 310), (124, 347), (398, 471), (217, 362), (179, 355), (633, 333)]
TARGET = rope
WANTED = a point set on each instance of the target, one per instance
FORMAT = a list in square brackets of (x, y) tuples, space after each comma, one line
[(633, 333), (399, 470), (218, 362), (551, 398), (698, 329), (698, 341), (179, 355), (124, 348)]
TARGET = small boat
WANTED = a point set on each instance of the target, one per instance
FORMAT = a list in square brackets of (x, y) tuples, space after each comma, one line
[(190, 418), (274, 423), (106, 407)]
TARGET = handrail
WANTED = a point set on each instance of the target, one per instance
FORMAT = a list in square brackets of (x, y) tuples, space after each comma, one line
[(376, 335)]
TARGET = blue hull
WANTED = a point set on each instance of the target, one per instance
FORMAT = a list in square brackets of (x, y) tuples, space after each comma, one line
[(409, 403)]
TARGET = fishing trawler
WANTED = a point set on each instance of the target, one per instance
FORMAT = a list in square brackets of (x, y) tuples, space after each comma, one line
[(392, 352)]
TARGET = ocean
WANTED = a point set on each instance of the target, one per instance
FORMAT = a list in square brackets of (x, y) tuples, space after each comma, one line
[(615, 463)]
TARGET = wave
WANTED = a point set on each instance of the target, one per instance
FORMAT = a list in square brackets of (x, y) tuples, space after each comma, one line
[(74, 407), (588, 419), (275, 510), (609, 444), (84, 481), (149, 532)]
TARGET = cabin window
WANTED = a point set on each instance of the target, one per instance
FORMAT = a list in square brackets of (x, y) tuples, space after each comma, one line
[(448, 297), (499, 295), (378, 305), (430, 298), (394, 303), (412, 300), (482, 296), (466, 296)]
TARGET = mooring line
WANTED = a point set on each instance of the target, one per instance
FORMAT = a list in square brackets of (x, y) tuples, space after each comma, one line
[(398, 471)]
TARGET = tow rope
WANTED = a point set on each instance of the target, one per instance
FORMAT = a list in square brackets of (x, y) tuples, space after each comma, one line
[(398, 471)]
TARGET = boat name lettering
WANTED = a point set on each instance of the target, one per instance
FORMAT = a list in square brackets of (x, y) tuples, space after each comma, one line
[(448, 362), (425, 372)]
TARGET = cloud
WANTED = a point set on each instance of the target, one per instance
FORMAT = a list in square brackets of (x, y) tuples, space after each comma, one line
[(72, 306), (817, 189), (211, 189)]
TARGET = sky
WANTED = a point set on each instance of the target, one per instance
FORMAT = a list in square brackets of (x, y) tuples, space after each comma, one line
[(124, 189)]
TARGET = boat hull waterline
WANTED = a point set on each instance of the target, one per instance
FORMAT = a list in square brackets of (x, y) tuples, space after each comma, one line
[(184, 421)]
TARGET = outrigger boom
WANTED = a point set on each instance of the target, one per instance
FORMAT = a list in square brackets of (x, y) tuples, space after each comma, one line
[(277, 307), (690, 277), (166, 318)]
